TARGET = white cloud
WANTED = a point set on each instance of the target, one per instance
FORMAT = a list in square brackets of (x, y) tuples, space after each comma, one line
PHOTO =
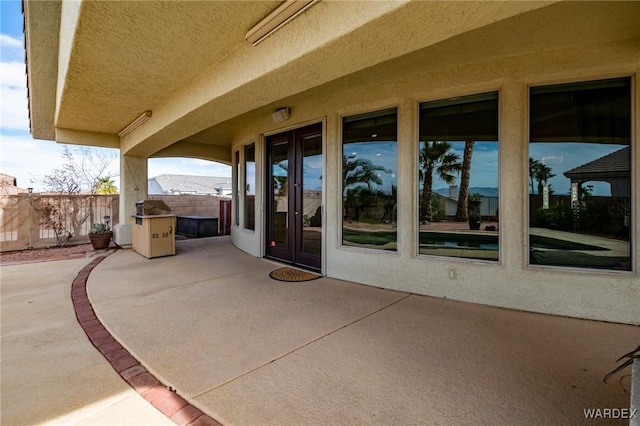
[(29, 160), (7, 41), (13, 92), (14, 113)]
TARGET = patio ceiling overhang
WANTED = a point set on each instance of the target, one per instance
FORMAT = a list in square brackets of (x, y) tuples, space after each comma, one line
[(94, 66)]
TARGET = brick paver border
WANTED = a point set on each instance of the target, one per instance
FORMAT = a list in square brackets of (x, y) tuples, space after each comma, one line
[(126, 365)]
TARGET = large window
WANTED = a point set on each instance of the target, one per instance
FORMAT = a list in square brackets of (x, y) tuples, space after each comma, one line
[(369, 180), (458, 177), (250, 186), (580, 175)]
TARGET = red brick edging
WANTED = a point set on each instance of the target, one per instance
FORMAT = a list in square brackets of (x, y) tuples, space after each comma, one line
[(129, 368)]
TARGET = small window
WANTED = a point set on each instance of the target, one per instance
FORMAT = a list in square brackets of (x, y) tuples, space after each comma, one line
[(250, 186), (458, 177), (238, 187), (369, 180), (580, 163)]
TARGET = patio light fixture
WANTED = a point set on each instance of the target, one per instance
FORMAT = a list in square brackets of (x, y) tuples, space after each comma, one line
[(135, 123), (280, 115), (276, 19)]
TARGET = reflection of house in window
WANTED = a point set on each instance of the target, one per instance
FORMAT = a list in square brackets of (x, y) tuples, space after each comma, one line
[(614, 168)]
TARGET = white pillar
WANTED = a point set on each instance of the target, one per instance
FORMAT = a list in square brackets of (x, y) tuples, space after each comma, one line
[(133, 187)]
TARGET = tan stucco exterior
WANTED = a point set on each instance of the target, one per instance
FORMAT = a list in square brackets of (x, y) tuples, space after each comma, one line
[(212, 93), (511, 283)]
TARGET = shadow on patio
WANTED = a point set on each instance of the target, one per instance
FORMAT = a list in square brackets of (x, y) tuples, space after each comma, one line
[(250, 350)]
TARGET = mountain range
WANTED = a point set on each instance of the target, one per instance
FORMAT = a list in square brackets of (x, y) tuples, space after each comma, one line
[(484, 191)]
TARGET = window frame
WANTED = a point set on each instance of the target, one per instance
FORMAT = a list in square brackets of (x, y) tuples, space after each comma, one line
[(340, 124), (445, 96), (536, 83), (244, 186)]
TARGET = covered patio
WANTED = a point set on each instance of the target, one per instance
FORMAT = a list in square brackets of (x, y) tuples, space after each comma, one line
[(247, 350)]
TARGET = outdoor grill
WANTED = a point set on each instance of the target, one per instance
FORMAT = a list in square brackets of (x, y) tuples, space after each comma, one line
[(153, 229)]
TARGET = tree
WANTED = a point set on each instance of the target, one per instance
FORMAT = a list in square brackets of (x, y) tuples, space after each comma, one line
[(542, 175), (539, 172), (65, 211), (359, 179), (436, 157), (463, 196), (533, 168), (360, 171), (105, 185)]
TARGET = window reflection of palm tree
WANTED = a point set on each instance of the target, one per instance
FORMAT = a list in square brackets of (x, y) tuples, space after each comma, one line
[(462, 213), (280, 181), (390, 205), (543, 174), (359, 177), (539, 172), (436, 157), (533, 166)]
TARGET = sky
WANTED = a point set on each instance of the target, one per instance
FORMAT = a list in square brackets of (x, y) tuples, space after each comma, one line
[(29, 160)]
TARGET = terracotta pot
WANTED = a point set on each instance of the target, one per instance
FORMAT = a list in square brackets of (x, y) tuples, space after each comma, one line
[(101, 240)]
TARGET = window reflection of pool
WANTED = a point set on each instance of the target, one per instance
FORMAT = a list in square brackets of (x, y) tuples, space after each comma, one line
[(467, 244), (538, 242), (459, 240)]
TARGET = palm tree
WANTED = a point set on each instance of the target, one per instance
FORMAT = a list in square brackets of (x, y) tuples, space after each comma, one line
[(361, 170), (462, 209), (105, 185), (358, 179), (436, 157), (542, 175), (280, 180), (534, 165)]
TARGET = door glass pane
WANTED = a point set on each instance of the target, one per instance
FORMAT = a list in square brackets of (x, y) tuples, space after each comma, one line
[(458, 177), (580, 185), (250, 186), (280, 176), (369, 175), (312, 195)]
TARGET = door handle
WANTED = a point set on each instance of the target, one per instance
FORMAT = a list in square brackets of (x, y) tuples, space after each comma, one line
[(297, 212), (296, 185)]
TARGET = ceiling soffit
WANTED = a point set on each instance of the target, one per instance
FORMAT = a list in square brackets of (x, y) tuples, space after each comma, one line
[(42, 64), (479, 48), (329, 41), (131, 56), (189, 63)]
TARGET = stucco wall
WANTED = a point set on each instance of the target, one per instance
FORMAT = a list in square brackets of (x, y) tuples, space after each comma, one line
[(509, 283), (192, 205)]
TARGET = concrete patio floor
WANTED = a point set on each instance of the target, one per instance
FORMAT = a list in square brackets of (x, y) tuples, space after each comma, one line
[(51, 373), (249, 350)]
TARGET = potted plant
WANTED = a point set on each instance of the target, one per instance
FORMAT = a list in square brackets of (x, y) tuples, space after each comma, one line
[(100, 236), (475, 217)]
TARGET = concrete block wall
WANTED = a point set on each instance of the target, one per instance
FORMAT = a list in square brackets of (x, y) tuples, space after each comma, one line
[(192, 205)]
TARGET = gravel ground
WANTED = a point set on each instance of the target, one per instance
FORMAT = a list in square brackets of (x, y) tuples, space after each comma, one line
[(45, 254)]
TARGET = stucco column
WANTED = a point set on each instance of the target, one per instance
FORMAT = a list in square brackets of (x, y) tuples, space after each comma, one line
[(406, 170), (514, 163), (133, 187)]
